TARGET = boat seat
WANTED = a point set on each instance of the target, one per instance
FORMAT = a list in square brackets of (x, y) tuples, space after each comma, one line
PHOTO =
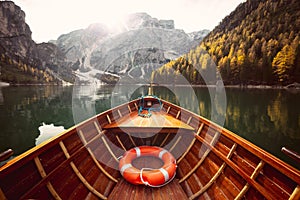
[(125, 190)]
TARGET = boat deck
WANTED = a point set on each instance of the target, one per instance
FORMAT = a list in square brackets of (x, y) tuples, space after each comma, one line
[(157, 120), (125, 190), (83, 162)]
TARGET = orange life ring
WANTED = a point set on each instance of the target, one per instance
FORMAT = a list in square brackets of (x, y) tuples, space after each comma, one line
[(147, 176)]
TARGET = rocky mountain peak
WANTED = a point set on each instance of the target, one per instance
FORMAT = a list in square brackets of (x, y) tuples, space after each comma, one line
[(143, 20), (132, 52), (12, 20), (22, 60)]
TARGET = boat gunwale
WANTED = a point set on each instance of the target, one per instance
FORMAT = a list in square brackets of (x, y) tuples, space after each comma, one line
[(31, 153), (270, 159)]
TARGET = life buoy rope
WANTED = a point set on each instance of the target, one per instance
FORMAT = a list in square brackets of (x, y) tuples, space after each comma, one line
[(163, 171), (143, 108), (152, 177)]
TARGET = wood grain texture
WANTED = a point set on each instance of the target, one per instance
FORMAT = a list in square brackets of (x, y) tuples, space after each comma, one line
[(82, 162)]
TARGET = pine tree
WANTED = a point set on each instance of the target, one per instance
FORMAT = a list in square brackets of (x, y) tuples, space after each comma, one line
[(283, 63)]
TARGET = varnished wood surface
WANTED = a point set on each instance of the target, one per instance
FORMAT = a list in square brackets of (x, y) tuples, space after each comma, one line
[(291, 153), (126, 191), (6, 154), (213, 163), (157, 120)]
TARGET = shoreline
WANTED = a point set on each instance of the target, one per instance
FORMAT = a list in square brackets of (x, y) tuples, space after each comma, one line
[(294, 86)]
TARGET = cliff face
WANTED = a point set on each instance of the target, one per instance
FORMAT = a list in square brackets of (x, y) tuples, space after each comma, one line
[(15, 34), (22, 60), (131, 50)]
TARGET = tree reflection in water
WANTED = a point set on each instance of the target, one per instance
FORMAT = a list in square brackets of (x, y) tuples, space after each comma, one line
[(269, 118)]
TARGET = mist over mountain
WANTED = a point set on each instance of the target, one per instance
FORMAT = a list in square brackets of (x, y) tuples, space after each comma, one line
[(129, 51), (132, 50)]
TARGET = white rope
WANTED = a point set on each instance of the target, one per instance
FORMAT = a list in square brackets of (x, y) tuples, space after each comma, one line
[(138, 151), (148, 184), (162, 153), (124, 167)]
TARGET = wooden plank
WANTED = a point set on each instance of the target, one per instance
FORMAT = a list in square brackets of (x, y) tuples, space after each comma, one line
[(199, 162), (86, 184), (192, 143), (253, 176), (231, 164), (158, 120), (129, 109), (281, 166), (52, 158), (105, 143), (125, 190), (189, 120), (119, 113), (82, 137), (120, 142), (217, 174), (52, 175), (109, 149), (43, 175), (100, 167), (187, 189), (6, 154), (175, 143), (53, 172), (276, 181), (168, 110), (2, 195), (226, 186), (184, 167), (89, 132), (79, 175), (136, 107), (178, 113), (296, 194), (178, 191), (155, 138), (108, 119), (164, 141), (17, 183)]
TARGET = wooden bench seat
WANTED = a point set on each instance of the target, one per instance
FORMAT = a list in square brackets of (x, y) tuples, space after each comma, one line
[(125, 190)]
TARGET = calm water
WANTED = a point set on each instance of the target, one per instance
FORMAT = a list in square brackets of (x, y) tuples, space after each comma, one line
[(268, 118)]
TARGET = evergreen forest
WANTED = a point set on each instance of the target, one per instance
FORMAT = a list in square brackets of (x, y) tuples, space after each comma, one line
[(257, 44)]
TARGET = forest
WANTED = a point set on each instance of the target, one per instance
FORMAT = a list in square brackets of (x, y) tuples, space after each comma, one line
[(22, 73), (257, 44)]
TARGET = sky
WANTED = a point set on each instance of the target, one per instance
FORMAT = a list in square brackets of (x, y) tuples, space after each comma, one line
[(48, 19)]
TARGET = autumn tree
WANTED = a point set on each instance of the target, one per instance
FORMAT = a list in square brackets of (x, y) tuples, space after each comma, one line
[(283, 62)]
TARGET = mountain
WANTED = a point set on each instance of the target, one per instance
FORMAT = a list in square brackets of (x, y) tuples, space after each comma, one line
[(22, 60), (258, 43), (130, 51)]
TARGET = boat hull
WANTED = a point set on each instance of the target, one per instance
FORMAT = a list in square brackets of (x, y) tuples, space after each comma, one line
[(213, 163)]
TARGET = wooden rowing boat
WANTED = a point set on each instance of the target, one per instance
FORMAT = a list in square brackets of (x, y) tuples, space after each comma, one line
[(212, 162)]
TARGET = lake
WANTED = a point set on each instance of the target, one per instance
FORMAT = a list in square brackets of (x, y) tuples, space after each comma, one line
[(269, 118)]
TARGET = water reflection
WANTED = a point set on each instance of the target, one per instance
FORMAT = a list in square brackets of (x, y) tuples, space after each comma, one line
[(26, 108), (268, 118)]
